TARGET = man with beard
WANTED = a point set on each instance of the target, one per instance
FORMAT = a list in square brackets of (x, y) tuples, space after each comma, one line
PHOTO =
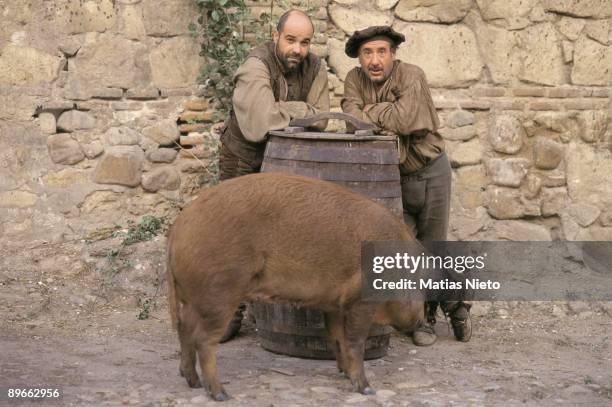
[(279, 81), (394, 96)]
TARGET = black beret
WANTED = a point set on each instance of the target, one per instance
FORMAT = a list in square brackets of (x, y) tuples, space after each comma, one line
[(359, 37)]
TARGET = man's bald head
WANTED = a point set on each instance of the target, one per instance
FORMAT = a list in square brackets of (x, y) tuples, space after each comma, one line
[(292, 37), (297, 17)]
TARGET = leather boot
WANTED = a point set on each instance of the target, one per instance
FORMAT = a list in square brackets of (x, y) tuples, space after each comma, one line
[(461, 321), (425, 335)]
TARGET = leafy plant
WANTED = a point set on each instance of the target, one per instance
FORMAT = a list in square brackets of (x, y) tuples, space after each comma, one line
[(224, 25), (146, 229)]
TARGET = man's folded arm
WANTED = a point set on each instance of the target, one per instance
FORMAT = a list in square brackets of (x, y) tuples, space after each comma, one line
[(257, 111), (413, 109)]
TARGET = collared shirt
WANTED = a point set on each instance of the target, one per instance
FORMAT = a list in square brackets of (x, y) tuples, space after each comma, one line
[(258, 112), (401, 106)]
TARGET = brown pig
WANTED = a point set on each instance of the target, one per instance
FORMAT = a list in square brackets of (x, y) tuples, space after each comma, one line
[(278, 237)]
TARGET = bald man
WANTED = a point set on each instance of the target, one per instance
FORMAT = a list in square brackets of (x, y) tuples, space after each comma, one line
[(279, 81)]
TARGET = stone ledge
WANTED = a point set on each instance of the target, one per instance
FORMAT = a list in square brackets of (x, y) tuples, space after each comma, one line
[(142, 94)]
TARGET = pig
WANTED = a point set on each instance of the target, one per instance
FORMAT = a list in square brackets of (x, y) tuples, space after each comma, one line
[(278, 237)]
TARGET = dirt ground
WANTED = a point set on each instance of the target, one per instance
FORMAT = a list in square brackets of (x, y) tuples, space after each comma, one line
[(62, 325)]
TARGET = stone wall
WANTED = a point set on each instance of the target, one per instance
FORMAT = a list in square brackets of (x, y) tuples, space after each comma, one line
[(97, 96), (522, 90)]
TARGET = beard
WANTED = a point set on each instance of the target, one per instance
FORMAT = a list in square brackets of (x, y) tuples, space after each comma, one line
[(378, 71), (290, 66)]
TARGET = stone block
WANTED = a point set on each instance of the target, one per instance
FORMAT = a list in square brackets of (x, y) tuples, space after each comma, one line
[(164, 132), (455, 42), (131, 22), (553, 178), (142, 94), (564, 92), (588, 168), (532, 185), (196, 104), (433, 11), (121, 105), (504, 203), (583, 213), (91, 64), (488, 92), (73, 120), (506, 134), (196, 116), (507, 172), (47, 123), (547, 154), (168, 18), (458, 134), (101, 201), (529, 91), (64, 150), (107, 93), (338, 60), (122, 136), (385, 4), (568, 51), (57, 105), (188, 128), (162, 155), (594, 125), (592, 63), (25, 66), (580, 8), (17, 199), (499, 50), (195, 152), (350, 19), (600, 31), (519, 231), (93, 149), (192, 139), (465, 153), (120, 165), (78, 16), (505, 9), (162, 178), (65, 178), (570, 27), (459, 118), (542, 55), (554, 201), (170, 68)]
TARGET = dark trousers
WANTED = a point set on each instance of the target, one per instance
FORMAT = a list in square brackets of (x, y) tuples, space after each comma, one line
[(426, 200), (232, 166)]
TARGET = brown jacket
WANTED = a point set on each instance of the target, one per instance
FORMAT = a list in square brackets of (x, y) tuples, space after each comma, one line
[(267, 98), (402, 106)]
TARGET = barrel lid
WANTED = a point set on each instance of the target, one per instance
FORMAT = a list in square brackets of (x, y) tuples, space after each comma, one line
[(314, 135)]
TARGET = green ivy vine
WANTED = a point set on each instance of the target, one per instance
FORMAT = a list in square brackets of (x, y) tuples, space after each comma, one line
[(228, 30)]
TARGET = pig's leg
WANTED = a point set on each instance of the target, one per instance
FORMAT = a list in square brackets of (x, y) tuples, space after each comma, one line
[(334, 322), (358, 321), (186, 329), (215, 316)]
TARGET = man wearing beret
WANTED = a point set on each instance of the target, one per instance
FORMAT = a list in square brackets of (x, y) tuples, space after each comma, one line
[(394, 96), (279, 81)]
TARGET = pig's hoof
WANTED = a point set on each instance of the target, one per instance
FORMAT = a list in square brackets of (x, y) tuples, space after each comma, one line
[(194, 383), (221, 396), (368, 391)]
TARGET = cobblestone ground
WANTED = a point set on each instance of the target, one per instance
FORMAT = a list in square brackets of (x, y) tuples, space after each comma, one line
[(61, 332)]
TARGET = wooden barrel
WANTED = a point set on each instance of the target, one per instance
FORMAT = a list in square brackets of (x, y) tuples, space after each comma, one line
[(368, 166)]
